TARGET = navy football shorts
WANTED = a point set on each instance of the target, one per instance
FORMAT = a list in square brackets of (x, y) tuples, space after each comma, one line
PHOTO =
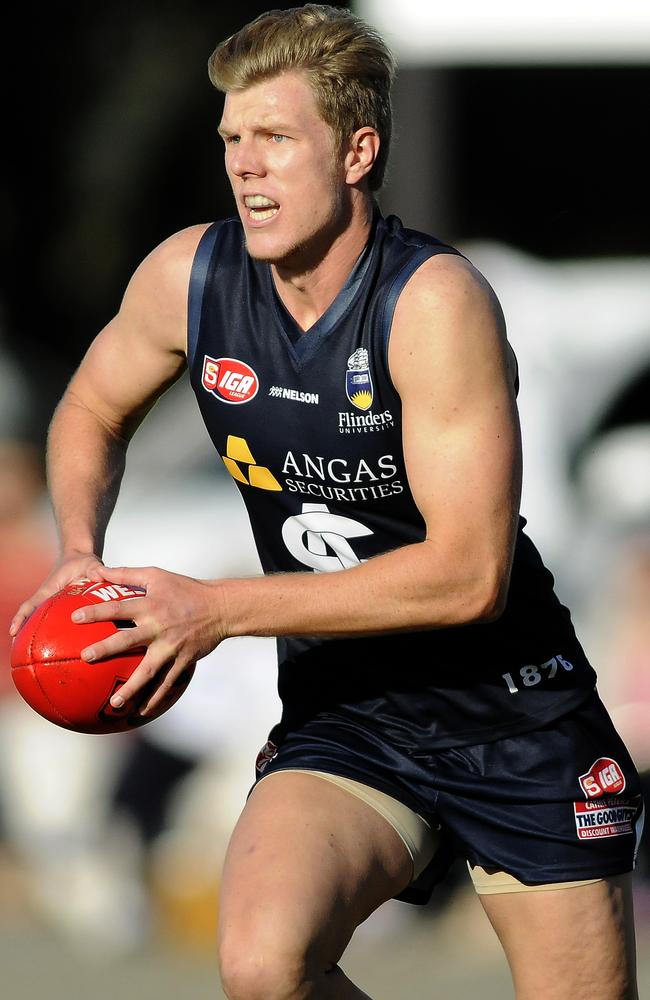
[(559, 804)]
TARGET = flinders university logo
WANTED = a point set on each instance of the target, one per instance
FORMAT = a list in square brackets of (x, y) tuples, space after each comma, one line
[(242, 466), (358, 384)]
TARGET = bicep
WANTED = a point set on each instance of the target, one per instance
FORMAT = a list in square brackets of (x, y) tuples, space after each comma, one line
[(141, 352), (451, 364), (122, 375)]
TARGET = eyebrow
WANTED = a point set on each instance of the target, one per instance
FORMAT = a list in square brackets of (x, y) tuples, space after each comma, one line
[(273, 127)]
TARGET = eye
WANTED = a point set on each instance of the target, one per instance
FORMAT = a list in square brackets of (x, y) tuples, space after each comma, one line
[(231, 140), (277, 138)]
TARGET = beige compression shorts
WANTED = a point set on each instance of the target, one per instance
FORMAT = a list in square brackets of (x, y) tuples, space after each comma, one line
[(422, 841)]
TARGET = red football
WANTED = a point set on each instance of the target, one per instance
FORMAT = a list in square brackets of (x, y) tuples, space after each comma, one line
[(49, 673)]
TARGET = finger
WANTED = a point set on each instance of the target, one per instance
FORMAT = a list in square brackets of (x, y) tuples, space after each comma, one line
[(26, 608), (152, 663), (171, 680), (24, 611), (49, 588), (108, 611), (121, 642), (128, 575), (94, 574)]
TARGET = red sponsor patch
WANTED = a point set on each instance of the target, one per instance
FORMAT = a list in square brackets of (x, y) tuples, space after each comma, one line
[(604, 777), (266, 755), (228, 379)]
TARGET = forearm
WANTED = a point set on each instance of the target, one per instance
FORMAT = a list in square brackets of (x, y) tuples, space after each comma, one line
[(85, 465), (398, 591)]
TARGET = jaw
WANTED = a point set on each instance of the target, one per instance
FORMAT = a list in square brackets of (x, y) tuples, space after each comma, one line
[(300, 251)]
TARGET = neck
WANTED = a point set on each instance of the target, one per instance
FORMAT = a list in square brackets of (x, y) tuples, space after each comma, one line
[(309, 286)]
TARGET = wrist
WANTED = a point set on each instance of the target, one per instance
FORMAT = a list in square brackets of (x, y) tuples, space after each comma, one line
[(79, 540), (80, 551), (232, 598)]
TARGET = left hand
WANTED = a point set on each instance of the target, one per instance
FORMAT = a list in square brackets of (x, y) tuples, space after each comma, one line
[(178, 621)]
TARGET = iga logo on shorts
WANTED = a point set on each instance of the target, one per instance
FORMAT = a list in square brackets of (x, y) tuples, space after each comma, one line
[(604, 777), (229, 380), (266, 755)]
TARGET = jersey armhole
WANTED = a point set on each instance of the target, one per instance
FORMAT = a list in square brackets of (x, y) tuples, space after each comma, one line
[(397, 287), (511, 351), (198, 276)]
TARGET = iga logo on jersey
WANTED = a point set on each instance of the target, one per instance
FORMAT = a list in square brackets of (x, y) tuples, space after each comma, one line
[(229, 380), (358, 384), (604, 777)]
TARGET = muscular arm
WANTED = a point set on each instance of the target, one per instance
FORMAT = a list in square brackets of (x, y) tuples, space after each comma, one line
[(128, 366), (130, 363)]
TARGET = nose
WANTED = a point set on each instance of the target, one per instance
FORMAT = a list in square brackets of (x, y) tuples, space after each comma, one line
[(244, 159)]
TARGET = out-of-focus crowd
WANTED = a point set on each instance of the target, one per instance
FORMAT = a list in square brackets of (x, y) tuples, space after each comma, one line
[(113, 840)]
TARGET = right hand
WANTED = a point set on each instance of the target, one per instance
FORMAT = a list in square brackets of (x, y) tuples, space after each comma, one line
[(73, 566)]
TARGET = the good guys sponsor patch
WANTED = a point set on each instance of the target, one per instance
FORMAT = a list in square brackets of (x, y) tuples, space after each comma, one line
[(607, 817)]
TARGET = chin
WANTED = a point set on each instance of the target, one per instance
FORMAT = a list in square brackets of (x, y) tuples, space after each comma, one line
[(269, 252), (265, 254), (299, 256)]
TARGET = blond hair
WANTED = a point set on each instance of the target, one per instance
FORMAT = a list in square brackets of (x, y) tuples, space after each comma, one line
[(349, 67)]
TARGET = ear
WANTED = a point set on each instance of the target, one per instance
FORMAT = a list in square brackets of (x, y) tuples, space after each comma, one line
[(362, 154)]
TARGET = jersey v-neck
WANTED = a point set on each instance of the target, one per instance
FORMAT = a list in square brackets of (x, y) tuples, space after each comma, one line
[(305, 343)]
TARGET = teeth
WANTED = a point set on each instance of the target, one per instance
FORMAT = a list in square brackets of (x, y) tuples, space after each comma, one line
[(259, 201), (259, 216)]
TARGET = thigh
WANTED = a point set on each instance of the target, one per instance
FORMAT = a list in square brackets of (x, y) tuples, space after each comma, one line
[(306, 864), (568, 944)]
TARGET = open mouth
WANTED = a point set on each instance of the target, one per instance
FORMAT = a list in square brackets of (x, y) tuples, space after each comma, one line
[(260, 208)]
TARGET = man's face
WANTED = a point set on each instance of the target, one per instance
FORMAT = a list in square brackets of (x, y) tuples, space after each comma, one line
[(286, 173)]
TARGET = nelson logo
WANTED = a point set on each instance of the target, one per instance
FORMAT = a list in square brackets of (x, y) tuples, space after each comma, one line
[(229, 380), (604, 777), (358, 383)]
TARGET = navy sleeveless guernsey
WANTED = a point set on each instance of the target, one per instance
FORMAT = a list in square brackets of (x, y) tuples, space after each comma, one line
[(309, 427)]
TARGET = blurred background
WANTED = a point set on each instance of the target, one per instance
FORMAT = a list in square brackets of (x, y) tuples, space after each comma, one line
[(521, 137)]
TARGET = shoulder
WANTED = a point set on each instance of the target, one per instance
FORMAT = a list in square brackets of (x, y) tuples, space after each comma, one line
[(154, 305), (448, 284), (169, 265), (162, 279), (172, 259), (446, 315), (422, 274)]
